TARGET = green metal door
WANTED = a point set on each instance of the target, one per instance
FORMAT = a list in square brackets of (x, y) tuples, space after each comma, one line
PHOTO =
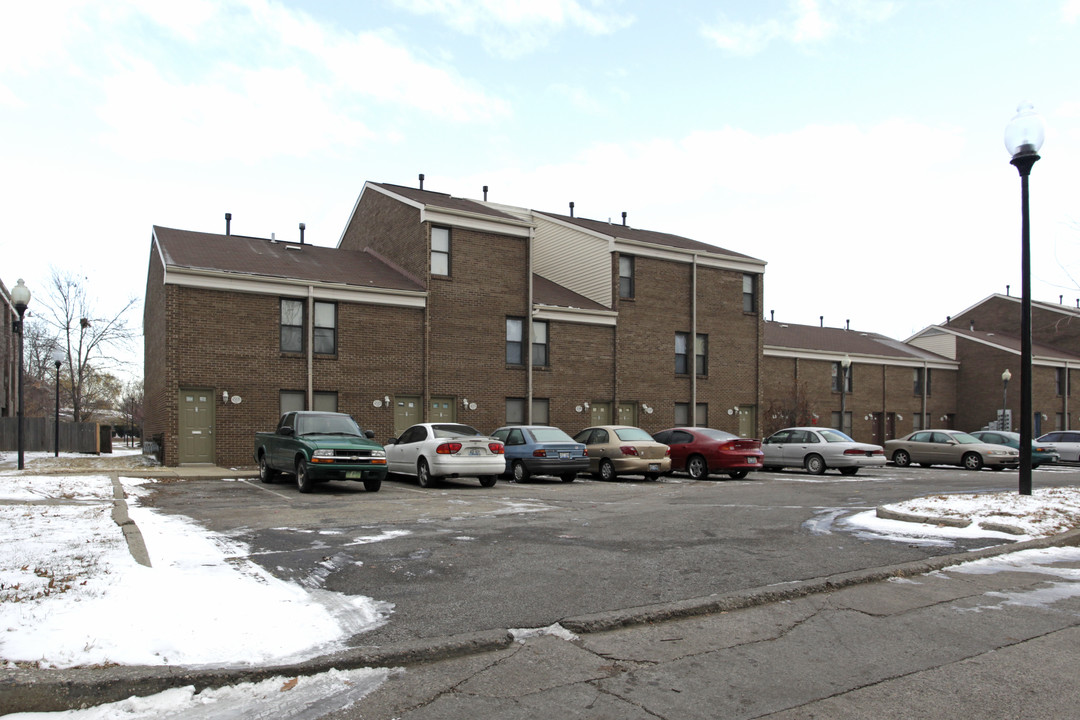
[(196, 426)]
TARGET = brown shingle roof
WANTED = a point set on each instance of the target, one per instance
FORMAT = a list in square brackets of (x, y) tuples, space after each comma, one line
[(444, 200), (546, 292), (648, 236), (277, 259), (1010, 342), (839, 340)]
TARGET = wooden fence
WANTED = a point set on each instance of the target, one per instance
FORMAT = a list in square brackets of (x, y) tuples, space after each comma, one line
[(38, 436)]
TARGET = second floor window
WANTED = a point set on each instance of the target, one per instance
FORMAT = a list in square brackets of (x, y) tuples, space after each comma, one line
[(325, 328), (515, 342), (682, 354), (440, 251), (626, 276), (749, 303), (292, 326), (838, 372)]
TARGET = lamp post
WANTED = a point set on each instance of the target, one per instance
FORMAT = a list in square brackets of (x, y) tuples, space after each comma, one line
[(1023, 138), (844, 365), (20, 298), (1005, 377), (57, 358)]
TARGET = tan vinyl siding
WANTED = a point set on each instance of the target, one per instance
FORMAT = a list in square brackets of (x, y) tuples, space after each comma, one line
[(573, 259), (939, 343)]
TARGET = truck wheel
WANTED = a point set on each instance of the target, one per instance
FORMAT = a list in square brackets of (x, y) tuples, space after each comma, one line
[(266, 474), (372, 485), (303, 483)]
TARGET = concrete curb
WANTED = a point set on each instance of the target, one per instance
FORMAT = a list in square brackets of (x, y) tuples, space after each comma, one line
[(26, 690), (888, 514)]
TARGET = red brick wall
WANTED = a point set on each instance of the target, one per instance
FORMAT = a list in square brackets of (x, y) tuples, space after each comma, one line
[(393, 230)]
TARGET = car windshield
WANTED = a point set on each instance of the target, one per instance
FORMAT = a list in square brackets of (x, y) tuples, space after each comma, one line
[(448, 430), (717, 434), (963, 438), (550, 434), (633, 433), (326, 425), (834, 436)]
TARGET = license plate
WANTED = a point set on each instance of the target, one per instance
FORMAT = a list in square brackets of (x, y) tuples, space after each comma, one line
[(564, 456), (353, 475), (654, 467), (751, 461), (474, 451)]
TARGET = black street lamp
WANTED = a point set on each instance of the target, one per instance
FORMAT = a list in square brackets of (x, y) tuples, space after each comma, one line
[(1005, 377), (845, 364), (57, 358), (1023, 138), (20, 298)]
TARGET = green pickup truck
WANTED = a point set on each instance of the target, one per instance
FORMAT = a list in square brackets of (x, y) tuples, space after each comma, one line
[(320, 446)]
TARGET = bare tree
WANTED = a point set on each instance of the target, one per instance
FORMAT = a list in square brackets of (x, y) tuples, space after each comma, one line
[(795, 410), (131, 407), (89, 338)]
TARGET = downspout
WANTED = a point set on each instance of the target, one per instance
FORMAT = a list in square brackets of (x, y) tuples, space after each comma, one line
[(1065, 393), (925, 393), (310, 347), (693, 341), (529, 300)]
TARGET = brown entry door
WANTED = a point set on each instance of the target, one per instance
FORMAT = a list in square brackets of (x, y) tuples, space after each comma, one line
[(196, 426)]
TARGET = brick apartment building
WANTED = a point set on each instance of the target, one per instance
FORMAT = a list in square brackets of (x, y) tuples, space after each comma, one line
[(985, 341), (441, 308), (892, 388)]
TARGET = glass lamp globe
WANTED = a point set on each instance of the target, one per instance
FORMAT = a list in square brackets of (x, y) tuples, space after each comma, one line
[(1026, 131)]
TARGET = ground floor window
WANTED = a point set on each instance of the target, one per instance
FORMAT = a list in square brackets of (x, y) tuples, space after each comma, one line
[(292, 400)]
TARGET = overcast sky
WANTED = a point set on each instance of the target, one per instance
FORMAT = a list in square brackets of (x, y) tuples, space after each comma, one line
[(856, 146)]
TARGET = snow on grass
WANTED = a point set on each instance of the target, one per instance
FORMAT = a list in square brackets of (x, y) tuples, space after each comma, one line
[(71, 594)]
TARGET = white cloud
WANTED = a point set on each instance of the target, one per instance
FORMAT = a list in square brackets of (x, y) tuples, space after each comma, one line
[(1071, 10), (512, 28), (805, 23)]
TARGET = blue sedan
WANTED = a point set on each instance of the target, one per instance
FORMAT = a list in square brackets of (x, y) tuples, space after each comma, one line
[(541, 450)]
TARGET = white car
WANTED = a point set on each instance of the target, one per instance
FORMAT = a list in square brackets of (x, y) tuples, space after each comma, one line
[(430, 451), (1066, 442), (817, 449)]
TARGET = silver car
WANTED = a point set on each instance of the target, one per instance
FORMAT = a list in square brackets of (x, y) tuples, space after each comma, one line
[(818, 449), (949, 447), (1066, 442)]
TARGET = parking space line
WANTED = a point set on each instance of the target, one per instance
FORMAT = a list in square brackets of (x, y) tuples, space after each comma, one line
[(265, 489)]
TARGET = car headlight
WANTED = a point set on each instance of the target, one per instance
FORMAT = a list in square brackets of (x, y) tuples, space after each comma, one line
[(323, 453), (378, 453)]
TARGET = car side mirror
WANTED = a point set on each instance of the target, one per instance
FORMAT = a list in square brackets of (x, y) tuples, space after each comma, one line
[(369, 434), (392, 441), (286, 431)]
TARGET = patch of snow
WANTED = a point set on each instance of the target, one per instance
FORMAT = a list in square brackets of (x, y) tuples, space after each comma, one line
[(522, 634)]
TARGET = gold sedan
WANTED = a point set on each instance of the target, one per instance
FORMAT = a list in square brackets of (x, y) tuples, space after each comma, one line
[(624, 450)]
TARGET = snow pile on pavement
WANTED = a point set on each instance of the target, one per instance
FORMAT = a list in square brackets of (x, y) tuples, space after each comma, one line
[(1046, 511), (71, 594)]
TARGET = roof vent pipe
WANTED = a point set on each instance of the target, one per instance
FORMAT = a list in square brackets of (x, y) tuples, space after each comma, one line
[(1061, 299), (971, 326), (948, 319), (571, 208), (302, 228), (485, 193), (228, 223), (772, 316), (1007, 291), (821, 319), (421, 181), (847, 324), (624, 218)]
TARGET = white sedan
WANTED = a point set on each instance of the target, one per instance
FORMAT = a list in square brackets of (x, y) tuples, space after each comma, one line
[(430, 451)]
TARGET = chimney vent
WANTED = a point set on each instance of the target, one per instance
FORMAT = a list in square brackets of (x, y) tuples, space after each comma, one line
[(847, 324), (1061, 299), (1007, 294), (228, 223), (421, 181), (485, 193), (821, 319), (571, 208), (772, 316), (302, 228), (624, 218)]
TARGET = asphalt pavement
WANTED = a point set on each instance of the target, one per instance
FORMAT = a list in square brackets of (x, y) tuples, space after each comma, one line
[(909, 639)]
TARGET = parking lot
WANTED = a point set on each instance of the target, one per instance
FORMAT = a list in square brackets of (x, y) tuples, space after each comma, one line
[(459, 557)]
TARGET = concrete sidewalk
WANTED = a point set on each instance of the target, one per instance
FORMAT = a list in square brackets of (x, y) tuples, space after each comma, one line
[(742, 654)]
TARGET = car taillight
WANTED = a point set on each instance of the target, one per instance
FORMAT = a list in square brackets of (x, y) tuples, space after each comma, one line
[(539, 452), (497, 448), (585, 452), (448, 448), (854, 451), (628, 450)]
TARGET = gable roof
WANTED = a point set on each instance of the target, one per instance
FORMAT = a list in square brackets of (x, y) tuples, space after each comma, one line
[(242, 255), (443, 200), (813, 339), (625, 232), (547, 292), (999, 340)]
